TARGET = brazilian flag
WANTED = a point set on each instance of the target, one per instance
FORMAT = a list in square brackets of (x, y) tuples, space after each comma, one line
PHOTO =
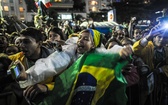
[(94, 79)]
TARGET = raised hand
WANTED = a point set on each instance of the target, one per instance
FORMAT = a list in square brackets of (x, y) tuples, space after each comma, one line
[(126, 52)]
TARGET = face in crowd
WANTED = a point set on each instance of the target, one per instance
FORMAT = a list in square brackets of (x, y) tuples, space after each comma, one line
[(53, 36), (159, 40), (137, 34), (30, 42), (88, 40), (3, 42), (120, 35)]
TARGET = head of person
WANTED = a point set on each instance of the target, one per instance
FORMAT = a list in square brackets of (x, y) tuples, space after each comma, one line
[(11, 49), (55, 33), (137, 34), (89, 39), (13, 37), (119, 32), (160, 39), (111, 42), (4, 63), (30, 42), (3, 42)]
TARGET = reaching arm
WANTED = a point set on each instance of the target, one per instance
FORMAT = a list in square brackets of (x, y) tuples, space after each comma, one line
[(50, 66)]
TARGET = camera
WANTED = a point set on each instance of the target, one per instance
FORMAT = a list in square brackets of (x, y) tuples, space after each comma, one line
[(15, 71)]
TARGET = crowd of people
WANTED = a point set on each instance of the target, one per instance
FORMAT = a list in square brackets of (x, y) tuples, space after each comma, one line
[(72, 65)]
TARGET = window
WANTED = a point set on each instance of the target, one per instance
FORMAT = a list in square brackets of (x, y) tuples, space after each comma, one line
[(11, 1), (6, 8), (22, 16), (58, 0), (21, 9), (4, 1), (93, 9), (93, 3), (12, 8), (20, 1)]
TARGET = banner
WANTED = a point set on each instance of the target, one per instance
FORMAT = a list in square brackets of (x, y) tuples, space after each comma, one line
[(111, 15)]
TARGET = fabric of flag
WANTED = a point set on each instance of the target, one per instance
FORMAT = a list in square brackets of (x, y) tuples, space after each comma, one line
[(47, 3), (94, 79)]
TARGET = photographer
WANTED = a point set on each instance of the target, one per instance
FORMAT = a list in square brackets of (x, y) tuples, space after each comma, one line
[(154, 53)]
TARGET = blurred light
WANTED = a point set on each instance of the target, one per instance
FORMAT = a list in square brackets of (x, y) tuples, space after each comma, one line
[(93, 3), (165, 26)]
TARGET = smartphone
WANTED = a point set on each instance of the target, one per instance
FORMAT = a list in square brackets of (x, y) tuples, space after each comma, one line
[(15, 71)]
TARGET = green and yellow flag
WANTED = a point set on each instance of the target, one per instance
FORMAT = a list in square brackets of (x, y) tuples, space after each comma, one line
[(94, 79)]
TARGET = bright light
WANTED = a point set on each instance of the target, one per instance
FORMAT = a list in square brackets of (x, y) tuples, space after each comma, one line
[(165, 26)]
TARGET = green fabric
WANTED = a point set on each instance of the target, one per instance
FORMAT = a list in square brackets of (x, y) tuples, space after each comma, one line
[(114, 94)]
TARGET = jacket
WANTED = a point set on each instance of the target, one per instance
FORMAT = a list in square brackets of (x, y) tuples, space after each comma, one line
[(44, 53), (147, 53)]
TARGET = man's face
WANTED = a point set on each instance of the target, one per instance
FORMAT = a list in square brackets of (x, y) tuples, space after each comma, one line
[(29, 46), (3, 42), (137, 34), (120, 35), (159, 41), (84, 43)]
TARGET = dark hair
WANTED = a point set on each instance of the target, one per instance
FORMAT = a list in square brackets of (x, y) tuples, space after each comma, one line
[(58, 31), (5, 60), (34, 33)]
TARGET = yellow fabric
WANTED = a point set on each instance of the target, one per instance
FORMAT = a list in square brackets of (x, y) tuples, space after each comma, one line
[(102, 81), (147, 53), (96, 37), (73, 35), (20, 56)]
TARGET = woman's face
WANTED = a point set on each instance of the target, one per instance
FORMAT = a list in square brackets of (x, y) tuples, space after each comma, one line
[(85, 43), (54, 36)]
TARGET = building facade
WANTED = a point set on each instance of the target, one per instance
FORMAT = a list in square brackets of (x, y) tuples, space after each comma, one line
[(13, 7)]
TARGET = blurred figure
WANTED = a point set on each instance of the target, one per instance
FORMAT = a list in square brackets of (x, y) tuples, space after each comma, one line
[(11, 49), (112, 42), (119, 33), (153, 51), (126, 41), (3, 42), (5, 80), (137, 34), (30, 44), (56, 39)]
